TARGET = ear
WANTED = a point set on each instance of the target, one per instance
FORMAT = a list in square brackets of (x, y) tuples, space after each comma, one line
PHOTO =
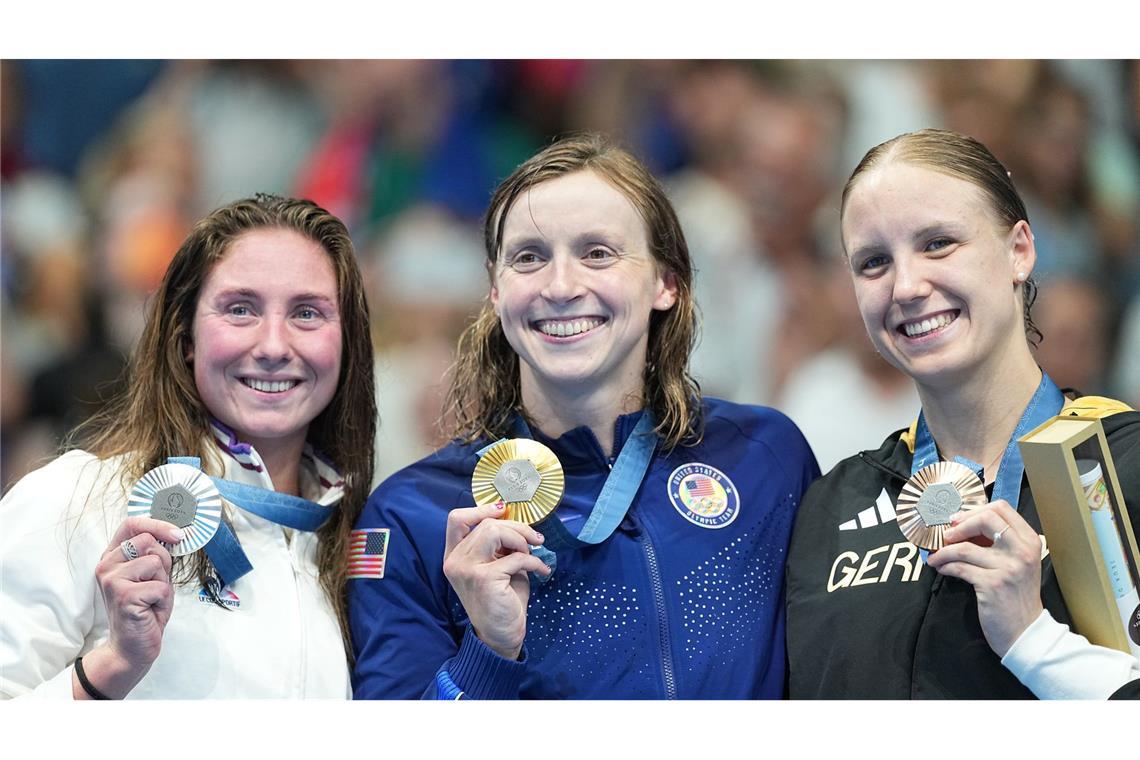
[(666, 291), (495, 298), (1023, 252)]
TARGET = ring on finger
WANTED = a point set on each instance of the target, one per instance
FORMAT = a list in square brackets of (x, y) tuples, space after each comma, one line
[(129, 551), (998, 533)]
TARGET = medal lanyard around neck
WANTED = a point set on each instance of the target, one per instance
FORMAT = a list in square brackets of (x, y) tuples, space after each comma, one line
[(1046, 402), (617, 494), (285, 509)]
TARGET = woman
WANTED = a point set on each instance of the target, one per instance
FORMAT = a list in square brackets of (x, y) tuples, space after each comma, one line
[(583, 345), (256, 360), (941, 254)]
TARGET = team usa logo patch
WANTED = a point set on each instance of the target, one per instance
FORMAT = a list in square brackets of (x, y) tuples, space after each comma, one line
[(367, 551), (704, 495)]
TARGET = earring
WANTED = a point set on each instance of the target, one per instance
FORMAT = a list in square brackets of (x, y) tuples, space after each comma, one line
[(1022, 276)]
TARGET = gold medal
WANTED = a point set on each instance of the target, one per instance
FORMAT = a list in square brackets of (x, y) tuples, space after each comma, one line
[(523, 473), (931, 496)]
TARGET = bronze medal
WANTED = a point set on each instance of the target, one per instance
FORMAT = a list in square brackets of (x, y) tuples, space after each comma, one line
[(523, 473), (931, 496)]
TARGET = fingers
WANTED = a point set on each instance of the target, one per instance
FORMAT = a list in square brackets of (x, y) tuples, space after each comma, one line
[(462, 522), (143, 545), (518, 562), (965, 571), (980, 526), (965, 552), (971, 540), (133, 526)]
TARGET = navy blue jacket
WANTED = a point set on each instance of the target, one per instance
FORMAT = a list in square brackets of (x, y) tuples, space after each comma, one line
[(684, 600)]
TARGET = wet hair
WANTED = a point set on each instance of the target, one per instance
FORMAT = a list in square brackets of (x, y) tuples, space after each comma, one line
[(160, 413), (964, 158), (485, 389)]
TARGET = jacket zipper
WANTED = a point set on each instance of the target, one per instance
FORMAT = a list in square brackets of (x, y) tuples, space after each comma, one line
[(303, 659), (662, 622)]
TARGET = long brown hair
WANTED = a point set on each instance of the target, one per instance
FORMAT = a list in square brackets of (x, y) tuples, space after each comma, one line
[(964, 158), (160, 413), (485, 389)]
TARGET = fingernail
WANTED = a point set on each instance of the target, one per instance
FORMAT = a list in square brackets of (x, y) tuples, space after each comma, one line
[(500, 505), (178, 534), (540, 537)]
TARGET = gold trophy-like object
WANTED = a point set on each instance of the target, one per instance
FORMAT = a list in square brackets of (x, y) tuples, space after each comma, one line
[(524, 474), (931, 496)]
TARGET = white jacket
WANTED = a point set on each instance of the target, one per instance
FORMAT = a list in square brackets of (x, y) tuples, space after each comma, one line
[(279, 638)]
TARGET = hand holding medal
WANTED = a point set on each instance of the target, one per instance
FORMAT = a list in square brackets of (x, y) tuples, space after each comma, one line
[(487, 551)]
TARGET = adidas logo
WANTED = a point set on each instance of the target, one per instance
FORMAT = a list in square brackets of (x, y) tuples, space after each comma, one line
[(881, 513)]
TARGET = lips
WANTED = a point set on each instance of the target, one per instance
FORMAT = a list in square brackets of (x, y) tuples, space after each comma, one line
[(567, 327), (921, 328), (269, 386)]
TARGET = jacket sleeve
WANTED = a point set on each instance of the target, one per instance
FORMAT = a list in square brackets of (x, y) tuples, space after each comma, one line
[(410, 635), (50, 608)]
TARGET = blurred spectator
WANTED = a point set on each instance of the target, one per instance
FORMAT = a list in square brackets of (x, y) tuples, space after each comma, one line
[(65, 105), (845, 397), (103, 164), (1126, 373), (1073, 316), (425, 279)]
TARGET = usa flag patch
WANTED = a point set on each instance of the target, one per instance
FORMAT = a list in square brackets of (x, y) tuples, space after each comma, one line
[(367, 550)]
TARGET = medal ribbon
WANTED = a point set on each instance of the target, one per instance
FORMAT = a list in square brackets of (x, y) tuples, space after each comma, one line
[(617, 493), (285, 509), (1046, 402)]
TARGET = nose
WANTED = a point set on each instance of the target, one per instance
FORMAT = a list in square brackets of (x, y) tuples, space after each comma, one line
[(911, 282), (563, 283), (273, 345)]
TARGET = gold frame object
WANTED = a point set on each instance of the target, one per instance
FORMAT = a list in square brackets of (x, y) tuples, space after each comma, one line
[(1050, 452)]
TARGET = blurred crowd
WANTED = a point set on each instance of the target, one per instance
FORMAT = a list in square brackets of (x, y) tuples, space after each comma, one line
[(106, 164)]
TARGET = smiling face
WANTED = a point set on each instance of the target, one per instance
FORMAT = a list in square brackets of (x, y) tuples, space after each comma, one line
[(266, 349), (935, 272), (575, 285)]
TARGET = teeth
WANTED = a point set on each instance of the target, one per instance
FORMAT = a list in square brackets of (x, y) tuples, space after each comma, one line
[(269, 386), (915, 329), (563, 329)]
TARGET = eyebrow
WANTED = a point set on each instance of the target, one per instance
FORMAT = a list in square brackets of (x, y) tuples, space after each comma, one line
[(867, 250), (941, 228), (251, 293)]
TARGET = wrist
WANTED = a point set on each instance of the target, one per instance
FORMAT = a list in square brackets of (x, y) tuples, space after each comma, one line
[(109, 673), (506, 650)]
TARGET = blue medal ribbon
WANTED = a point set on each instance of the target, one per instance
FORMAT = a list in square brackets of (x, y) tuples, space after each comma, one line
[(613, 502), (1047, 402), (223, 549)]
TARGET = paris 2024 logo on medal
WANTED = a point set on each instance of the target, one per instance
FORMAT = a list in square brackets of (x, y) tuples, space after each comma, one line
[(703, 495)]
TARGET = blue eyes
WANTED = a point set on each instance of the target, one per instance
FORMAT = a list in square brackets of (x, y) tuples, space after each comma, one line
[(938, 244), (872, 262), (303, 313)]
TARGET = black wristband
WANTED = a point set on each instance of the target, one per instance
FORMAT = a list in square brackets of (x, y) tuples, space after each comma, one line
[(87, 685)]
